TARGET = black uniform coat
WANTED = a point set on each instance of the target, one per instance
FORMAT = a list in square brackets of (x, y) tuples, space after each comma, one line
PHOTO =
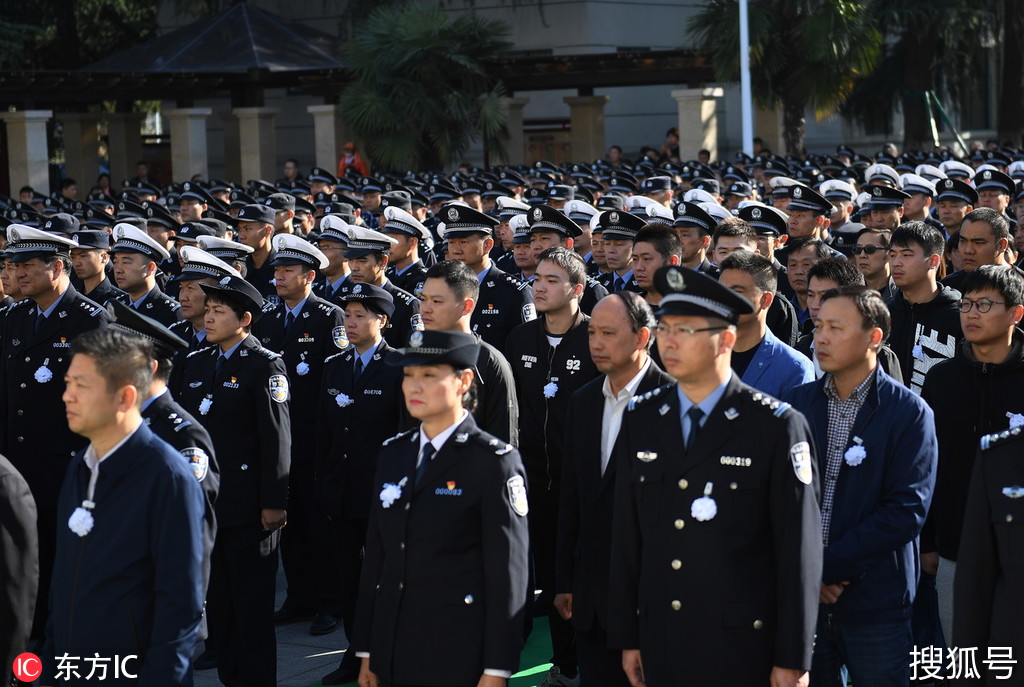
[(187, 332), (36, 438), (411, 280), (444, 577), (407, 316), (497, 409), (105, 292), (988, 599), (593, 292), (311, 340), (249, 423), (262, 277), (19, 563), (585, 510), (322, 289), (160, 307), (354, 420), (133, 584), (692, 595), (504, 304)]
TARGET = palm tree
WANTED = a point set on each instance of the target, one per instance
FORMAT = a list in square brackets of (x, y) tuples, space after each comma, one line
[(803, 53), (420, 94)]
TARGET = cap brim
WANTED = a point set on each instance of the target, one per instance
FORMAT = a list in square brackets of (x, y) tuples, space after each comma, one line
[(459, 357)]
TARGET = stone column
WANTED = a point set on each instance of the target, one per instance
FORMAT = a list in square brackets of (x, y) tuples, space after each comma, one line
[(586, 124), (257, 142), (768, 127), (698, 124), (27, 150), (124, 133), (515, 144), (329, 134), (81, 149), (188, 141)]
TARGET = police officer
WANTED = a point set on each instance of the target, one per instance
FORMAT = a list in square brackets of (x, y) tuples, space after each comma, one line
[(405, 269), (239, 390), (36, 341), (504, 301), (135, 258), (304, 330), (444, 580), (256, 230), (333, 242), (617, 239), (368, 254), (90, 261), (717, 531), (359, 405)]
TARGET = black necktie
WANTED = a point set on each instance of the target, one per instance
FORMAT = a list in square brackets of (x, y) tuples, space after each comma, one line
[(425, 455), (39, 321), (220, 365), (695, 414), (619, 285), (289, 320), (358, 370)]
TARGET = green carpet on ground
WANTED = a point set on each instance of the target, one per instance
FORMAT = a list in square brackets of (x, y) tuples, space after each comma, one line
[(533, 662)]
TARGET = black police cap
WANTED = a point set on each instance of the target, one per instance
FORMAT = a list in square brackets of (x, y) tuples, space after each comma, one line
[(129, 320), (437, 347), (687, 292), (238, 291), (544, 218), (373, 297)]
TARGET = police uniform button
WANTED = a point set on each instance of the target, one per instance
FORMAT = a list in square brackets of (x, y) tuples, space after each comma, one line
[(21, 439), (401, 586), (676, 564), (401, 545), (680, 524), (407, 506), (469, 599), (733, 485), (245, 466), (23, 385), (758, 624), (1009, 518), (683, 484), (642, 478), (676, 605), (28, 359), (21, 412)]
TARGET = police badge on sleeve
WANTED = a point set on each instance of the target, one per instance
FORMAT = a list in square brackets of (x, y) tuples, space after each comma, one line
[(279, 388), (517, 495), (800, 455), (340, 337), (198, 461)]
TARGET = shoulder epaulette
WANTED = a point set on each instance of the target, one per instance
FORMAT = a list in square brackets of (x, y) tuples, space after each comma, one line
[(773, 404), (990, 440), (520, 285), (269, 306), (329, 308), (641, 399), (265, 352), (19, 304), (404, 296), (90, 308), (398, 436), (201, 350), (498, 446), (336, 355)]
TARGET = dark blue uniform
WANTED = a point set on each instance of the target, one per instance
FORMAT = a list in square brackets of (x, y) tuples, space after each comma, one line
[(160, 307), (504, 304)]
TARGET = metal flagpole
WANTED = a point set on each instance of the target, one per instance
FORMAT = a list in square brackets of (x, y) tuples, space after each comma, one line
[(746, 104)]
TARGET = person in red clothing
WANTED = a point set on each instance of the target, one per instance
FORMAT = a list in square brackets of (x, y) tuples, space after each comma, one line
[(350, 157)]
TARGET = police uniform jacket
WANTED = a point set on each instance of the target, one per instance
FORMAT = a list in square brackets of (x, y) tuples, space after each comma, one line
[(172, 423), (444, 579), (160, 307), (262, 277), (411, 280), (106, 292), (607, 280), (19, 562), (970, 399), (586, 506), (880, 505), (693, 595), (406, 318), (593, 292), (187, 332), (354, 418), (988, 599), (504, 303), (316, 334), (248, 420), (36, 438), (133, 584), (776, 368), (322, 289), (542, 416)]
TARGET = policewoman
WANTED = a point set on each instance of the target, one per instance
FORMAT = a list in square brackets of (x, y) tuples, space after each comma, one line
[(444, 579)]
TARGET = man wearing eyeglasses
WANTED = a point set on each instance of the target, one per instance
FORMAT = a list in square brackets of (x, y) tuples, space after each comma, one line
[(717, 535), (975, 393), (871, 256), (983, 238)]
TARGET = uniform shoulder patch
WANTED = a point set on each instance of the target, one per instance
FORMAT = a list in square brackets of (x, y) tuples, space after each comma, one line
[(990, 440), (800, 456), (269, 306), (778, 408), (647, 397), (520, 285), (20, 304), (198, 461), (516, 487), (328, 308), (397, 436), (278, 385), (200, 351)]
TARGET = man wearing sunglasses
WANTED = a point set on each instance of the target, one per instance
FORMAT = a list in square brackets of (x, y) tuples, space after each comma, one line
[(975, 393), (871, 256)]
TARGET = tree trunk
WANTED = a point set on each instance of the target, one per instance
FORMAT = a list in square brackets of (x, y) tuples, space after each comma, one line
[(1010, 116), (918, 77), (793, 125)]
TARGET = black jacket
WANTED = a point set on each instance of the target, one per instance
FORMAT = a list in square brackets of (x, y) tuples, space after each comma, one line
[(497, 408), (105, 292), (160, 307), (586, 514), (542, 415), (504, 303), (411, 280), (970, 399), (406, 318), (933, 326)]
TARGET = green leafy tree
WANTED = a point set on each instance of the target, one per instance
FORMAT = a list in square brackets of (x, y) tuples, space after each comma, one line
[(803, 53), (421, 94)]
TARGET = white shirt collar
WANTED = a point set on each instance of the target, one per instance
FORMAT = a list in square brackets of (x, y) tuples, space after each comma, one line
[(442, 436), (629, 390)]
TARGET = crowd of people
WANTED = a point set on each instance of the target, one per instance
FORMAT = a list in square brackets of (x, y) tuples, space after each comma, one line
[(744, 423)]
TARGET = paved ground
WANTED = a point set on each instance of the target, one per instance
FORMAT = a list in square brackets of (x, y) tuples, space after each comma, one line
[(302, 659)]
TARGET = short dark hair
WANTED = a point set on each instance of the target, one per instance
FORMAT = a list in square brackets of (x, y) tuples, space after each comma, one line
[(841, 271), (26, 189), (662, 238), (1000, 226), (999, 278), (908, 234), (64, 260), (67, 183), (872, 308), (760, 268), (121, 359), (638, 312), (235, 306), (293, 161), (458, 276), (568, 261), (885, 234), (733, 226), (821, 249)]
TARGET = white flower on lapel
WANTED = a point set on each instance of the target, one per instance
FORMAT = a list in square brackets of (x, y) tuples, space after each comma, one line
[(550, 389), (43, 373), (704, 508), (856, 454), (205, 405), (391, 492), (80, 522), (343, 400), (1016, 420)]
